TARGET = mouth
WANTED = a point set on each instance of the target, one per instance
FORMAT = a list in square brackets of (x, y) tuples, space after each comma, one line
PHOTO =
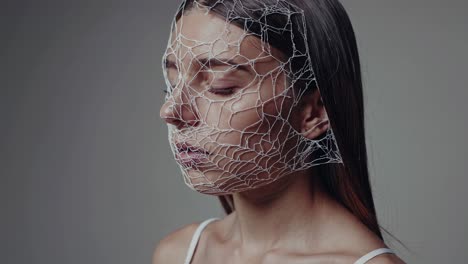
[(189, 155)]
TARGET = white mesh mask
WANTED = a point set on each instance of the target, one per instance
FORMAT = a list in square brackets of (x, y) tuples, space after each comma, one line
[(232, 100)]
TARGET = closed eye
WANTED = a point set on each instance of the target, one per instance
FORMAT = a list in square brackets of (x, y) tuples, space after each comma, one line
[(222, 90)]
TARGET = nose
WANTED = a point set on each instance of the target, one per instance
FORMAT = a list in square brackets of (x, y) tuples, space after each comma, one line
[(177, 110)]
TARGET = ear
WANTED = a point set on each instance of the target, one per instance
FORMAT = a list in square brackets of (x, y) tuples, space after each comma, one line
[(314, 116)]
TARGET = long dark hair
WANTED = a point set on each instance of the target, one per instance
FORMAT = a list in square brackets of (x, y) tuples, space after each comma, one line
[(332, 46)]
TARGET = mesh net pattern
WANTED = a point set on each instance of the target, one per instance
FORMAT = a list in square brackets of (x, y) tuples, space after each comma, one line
[(233, 99)]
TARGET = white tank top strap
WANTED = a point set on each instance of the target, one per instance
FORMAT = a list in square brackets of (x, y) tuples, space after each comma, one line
[(195, 238), (198, 231), (373, 254)]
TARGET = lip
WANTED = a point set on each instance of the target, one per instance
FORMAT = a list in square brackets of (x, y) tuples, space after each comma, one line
[(189, 155)]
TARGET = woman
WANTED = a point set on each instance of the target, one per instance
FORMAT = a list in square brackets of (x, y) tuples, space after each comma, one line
[(264, 110)]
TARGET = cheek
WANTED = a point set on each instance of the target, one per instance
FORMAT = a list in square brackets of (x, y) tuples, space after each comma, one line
[(245, 112), (254, 119), (251, 107)]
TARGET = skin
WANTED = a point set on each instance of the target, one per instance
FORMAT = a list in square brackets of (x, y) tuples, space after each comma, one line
[(249, 133), (290, 220)]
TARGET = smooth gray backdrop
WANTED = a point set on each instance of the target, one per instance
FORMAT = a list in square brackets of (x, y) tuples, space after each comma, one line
[(86, 171)]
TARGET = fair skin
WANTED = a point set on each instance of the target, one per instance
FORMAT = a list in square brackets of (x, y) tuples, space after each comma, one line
[(290, 220)]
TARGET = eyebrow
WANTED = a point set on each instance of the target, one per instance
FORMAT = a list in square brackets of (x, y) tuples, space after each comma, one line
[(213, 62)]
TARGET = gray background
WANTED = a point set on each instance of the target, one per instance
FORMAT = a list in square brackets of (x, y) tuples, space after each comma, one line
[(86, 171)]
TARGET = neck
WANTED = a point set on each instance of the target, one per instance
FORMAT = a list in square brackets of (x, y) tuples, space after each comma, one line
[(285, 214)]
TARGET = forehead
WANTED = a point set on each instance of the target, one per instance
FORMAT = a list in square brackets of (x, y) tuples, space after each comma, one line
[(199, 32)]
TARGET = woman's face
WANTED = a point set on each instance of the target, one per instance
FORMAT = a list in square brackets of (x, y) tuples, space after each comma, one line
[(229, 107)]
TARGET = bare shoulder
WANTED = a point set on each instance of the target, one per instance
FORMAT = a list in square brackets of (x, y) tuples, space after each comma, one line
[(173, 247), (361, 242), (386, 259), (375, 243), (357, 240)]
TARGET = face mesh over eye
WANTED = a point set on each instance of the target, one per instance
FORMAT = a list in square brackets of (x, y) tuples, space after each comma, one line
[(233, 95)]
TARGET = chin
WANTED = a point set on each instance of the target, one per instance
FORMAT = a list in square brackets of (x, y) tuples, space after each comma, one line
[(229, 187)]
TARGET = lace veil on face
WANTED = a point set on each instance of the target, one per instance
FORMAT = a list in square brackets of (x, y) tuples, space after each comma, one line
[(233, 100)]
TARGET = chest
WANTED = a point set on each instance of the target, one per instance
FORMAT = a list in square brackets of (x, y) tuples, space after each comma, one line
[(216, 255)]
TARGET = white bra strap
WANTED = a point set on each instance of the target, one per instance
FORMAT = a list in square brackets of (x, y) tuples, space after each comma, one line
[(372, 254), (195, 238)]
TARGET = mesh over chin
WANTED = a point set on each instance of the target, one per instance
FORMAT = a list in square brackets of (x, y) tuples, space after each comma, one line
[(236, 96)]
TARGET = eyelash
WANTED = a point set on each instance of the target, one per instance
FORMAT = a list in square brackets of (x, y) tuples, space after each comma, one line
[(222, 91), (218, 91)]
